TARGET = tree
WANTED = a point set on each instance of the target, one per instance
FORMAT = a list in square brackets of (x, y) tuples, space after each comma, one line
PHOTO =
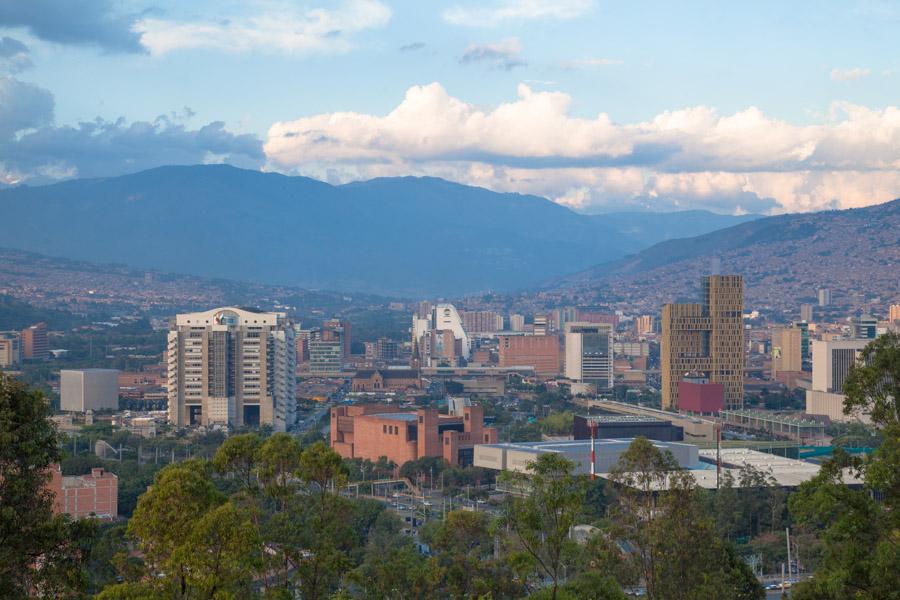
[(542, 520), (36, 548), (239, 455), (279, 458), (166, 515), (873, 385)]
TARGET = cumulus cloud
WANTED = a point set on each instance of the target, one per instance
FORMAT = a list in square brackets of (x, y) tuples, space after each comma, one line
[(505, 54), (96, 22), (496, 12), (33, 149), (849, 74), (309, 30), (683, 158), (13, 55)]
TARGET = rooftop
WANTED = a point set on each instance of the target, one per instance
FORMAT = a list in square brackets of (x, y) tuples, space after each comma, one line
[(398, 416), (623, 419)]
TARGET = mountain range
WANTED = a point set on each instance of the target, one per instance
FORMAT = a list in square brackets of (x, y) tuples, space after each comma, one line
[(397, 236), (784, 259)]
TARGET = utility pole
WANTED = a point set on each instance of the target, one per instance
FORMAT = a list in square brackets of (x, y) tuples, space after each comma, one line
[(718, 452), (593, 457), (787, 532)]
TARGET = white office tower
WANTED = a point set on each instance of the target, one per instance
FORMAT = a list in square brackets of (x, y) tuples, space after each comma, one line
[(81, 390), (440, 337), (445, 318), (831, 362), (232, 367), (589, 357)]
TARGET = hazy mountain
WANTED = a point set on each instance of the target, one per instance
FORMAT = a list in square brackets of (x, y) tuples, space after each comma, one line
[(411, 236), (783, 258)]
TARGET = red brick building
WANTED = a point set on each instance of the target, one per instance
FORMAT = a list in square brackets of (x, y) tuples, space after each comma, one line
[(35, 343), (539, 351), (95, 495), (371, 431), (377, 380)]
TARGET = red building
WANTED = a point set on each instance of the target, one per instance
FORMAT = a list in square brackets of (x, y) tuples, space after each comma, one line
[(95, 495), (699, 396), (371, 431), (538, 351)]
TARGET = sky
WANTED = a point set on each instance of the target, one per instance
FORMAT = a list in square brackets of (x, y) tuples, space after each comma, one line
[(762, 107)]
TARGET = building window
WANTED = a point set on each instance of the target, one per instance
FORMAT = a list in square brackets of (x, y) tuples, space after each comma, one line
[(384, 429)]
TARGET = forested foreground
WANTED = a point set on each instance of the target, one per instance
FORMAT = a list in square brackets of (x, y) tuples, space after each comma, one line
[(271, 518)]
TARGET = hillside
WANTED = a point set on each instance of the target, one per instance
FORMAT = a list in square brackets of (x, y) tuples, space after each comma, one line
[(855, 253), (399, 236)]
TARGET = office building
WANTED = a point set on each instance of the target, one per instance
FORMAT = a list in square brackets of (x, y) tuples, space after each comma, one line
[(35, 343), (824, 297), (541, 325), (538, 351), (787, 351), (232, 367), (625, 426), (81, 390), (440, 338), (371, 431), (865, 327), (589, 357), (517, 322), (643, 325), (10, 349), (806, 313), (706, 338), (831, 362), (696, 395), (338, 330), (803, 326), (326, 356), (91, 496)]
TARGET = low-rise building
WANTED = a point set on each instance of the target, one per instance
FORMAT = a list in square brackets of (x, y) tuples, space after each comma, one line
[(95, 495), (378, 380)]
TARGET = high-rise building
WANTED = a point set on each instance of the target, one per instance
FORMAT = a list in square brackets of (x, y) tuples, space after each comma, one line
[(232, 367), (481, 321), (831, 362), (516, 322), (10, 349), (589, 356), (326, 353), (806, 313), (538, 351), (440, 338), (541, 324), (803, 326), (81, 390), (35, 343), (865, 327), (338, 330), (894, 313), (706, 338), (787, 351), (643, 324), (824, 296)]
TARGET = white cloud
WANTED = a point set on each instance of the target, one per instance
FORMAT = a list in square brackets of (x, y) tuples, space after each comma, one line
[(312, 30), (505, 54), (688, 157), (496, 12), (580, 63), (849, 74)]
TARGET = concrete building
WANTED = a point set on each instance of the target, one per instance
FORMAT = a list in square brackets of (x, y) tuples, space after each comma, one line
[(894, 313), (589, 355), (232, 367), (539, 351), (326, 356), (614, 426), (481, 321), (831, 362), (338, 330), (440, 338), (697, 395), (10, 349), (81, 390), (824, 295), (787, 350), (95, 495), (542, 324), (517, 322), (517, 456), (371, 431), (865, 327), (707, 338), (35, 343)]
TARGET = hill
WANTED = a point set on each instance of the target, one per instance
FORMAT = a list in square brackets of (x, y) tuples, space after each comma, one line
[(855, 253), (399, 236)]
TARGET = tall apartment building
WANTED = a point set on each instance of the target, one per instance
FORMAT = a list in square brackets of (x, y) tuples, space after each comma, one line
[(231, 366), (706, 338), (643, 324), (35, 343), (10, 349), (542, 324), (538, 351), (517, 322), (589, 355), (787, 350), (824, 295), (338, 330), (481, 321), (806, 313)]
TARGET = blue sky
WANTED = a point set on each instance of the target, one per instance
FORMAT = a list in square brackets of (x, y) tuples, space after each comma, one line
[(763, 107)]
